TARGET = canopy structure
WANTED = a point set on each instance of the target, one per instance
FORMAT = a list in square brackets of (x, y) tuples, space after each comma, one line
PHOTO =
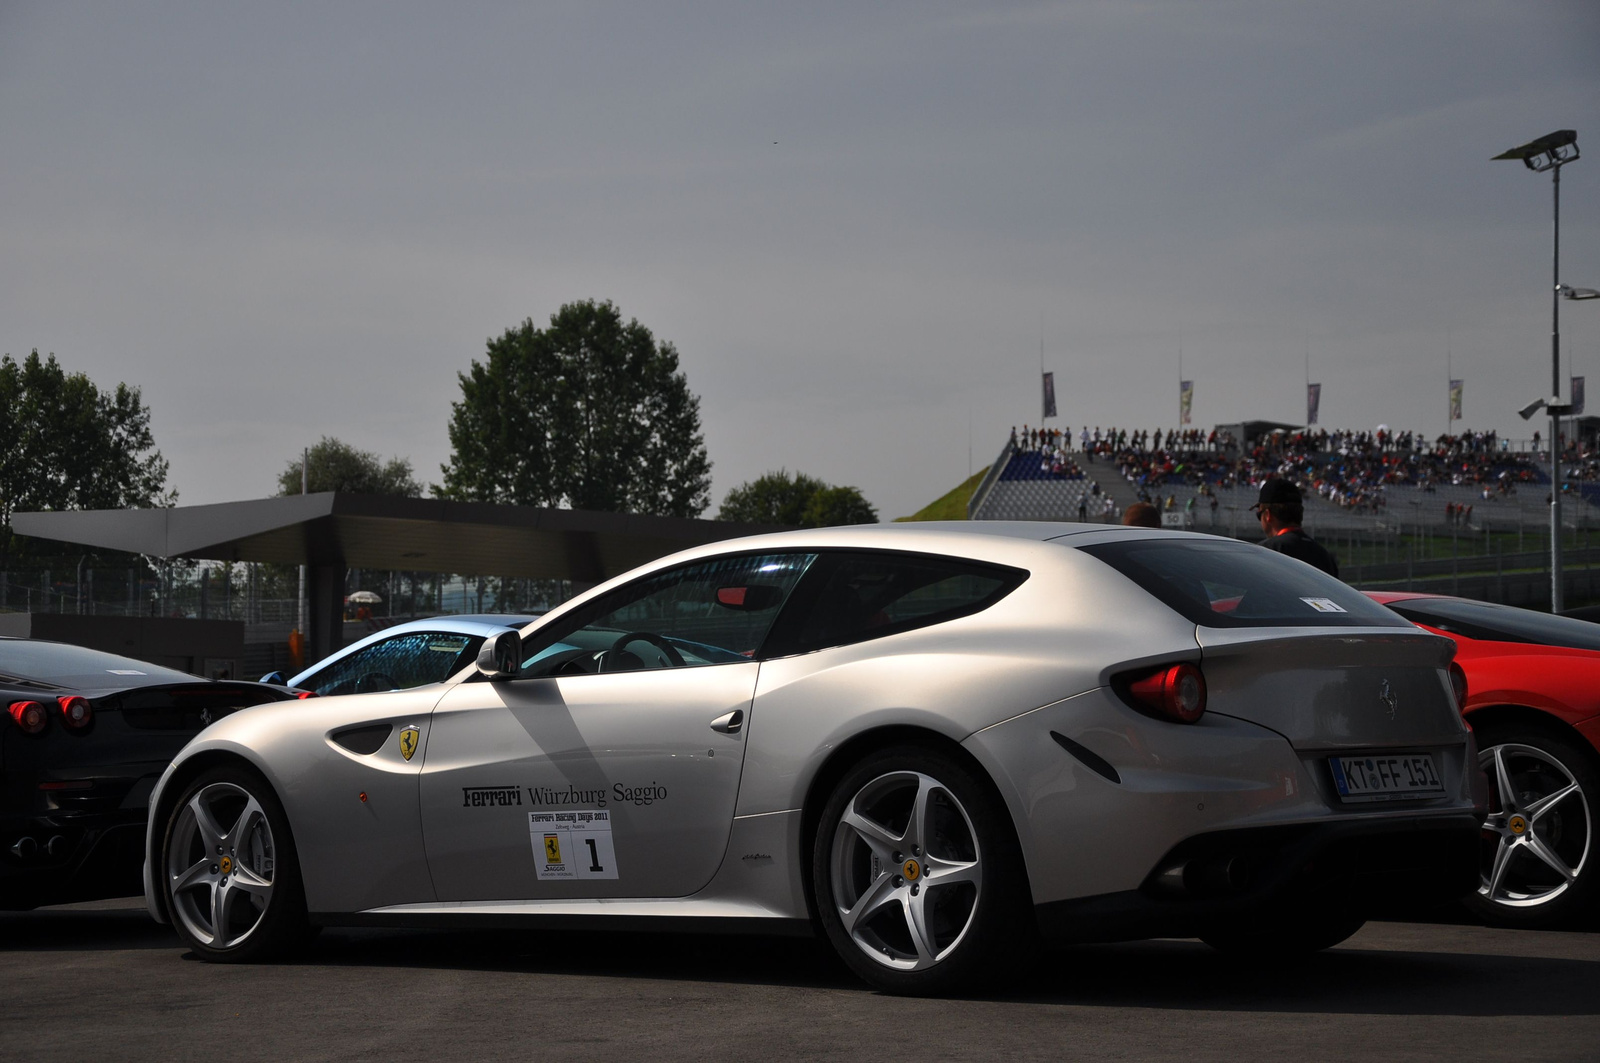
[(1248, 433), (332, 531)]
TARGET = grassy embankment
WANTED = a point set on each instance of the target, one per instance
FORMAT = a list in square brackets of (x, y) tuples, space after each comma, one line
[(952, 505)]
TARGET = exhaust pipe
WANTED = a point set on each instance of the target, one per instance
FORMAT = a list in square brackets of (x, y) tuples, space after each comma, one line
[(56, 846), (24, 848)]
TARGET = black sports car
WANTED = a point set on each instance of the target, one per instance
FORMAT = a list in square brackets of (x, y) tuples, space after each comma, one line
[(83, 739)]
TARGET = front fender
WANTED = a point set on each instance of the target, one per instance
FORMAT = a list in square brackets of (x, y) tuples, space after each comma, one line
[(354, 814)]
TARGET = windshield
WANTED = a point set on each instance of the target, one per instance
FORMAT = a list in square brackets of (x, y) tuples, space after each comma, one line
[(1499, 623), (1223, 583)]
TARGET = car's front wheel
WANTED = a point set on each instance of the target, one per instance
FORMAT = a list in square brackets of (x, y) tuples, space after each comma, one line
[(1538, 857), (231, 878), (917, 877)]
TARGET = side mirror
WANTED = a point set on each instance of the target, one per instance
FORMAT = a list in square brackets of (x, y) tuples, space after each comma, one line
[(501, 656), (274, 677)]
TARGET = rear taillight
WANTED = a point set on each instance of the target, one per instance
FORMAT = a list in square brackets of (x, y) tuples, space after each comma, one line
[(1458, 684), (1177, 692), (76, 712), (30, 716), (306, 694)]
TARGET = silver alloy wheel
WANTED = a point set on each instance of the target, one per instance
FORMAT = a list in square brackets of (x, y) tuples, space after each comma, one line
[(220, 877), (1539, 825), (907, 870)]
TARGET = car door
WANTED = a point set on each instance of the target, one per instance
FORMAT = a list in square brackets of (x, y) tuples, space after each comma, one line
[(610, 766)]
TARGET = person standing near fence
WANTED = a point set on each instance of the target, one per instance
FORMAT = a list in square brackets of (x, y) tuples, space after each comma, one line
[(1280, 509)]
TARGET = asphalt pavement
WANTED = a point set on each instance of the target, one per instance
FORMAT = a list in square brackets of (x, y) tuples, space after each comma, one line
[(103, 982)]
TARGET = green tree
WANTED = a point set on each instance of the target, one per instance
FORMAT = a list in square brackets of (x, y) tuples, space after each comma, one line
[(833, 506), (800, 500), (590, 413), (66, 444), (335, 466)]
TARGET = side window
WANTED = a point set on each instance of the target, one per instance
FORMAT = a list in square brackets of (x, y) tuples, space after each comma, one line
[(405, 661), (709, 612), (859, 596)]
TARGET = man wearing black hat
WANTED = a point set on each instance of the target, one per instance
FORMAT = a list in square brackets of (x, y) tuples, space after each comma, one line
[(1280, 510)]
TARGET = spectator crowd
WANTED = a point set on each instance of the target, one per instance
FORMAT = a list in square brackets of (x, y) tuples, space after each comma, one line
[(1351, 469)]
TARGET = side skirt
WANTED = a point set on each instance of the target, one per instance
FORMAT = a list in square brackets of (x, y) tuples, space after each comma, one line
[(493, 919)]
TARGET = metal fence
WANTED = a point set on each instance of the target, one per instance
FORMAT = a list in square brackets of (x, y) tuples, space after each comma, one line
[(261, 594)]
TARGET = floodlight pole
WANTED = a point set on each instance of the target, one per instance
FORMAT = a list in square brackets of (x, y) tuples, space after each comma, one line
[(1551, 152), (1556, 596)]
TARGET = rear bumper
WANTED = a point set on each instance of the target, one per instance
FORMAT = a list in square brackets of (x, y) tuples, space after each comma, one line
[(93, 857), (1221, 878)]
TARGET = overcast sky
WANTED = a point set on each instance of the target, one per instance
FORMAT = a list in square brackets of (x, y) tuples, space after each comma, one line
[(853, 220)]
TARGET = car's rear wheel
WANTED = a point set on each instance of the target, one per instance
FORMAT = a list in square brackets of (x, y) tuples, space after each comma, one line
[(231, 878), (917, 877), (1538, 858)]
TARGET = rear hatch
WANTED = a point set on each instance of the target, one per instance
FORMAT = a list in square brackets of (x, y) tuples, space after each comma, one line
[(1353, 688), (113, 763), (1289, 647)]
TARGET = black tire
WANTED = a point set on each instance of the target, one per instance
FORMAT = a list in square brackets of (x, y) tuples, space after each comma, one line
[(255, 928), (1530, 893), (1285, 932), (960, 874)]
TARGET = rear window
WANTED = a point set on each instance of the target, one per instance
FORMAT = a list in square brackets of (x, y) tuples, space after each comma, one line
[(62, 665), (1222, 583), (1499, 623), (854, 596)]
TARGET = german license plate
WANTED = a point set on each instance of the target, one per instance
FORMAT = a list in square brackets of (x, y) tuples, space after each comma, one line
[(1391, 777)]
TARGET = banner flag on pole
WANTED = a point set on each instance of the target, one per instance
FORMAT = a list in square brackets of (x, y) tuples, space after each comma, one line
[(1577, 397), (1049, 394), (1313, 403), (1185, 400), (1455, 400)]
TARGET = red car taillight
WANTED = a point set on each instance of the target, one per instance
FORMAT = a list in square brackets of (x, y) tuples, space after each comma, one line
[(1177, 692), (30, 716), (304, 694), (76, 712), (1458, 684)]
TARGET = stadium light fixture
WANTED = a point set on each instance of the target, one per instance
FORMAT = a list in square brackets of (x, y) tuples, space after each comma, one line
[(1548, 154), (1569, 292), (1559, 409)]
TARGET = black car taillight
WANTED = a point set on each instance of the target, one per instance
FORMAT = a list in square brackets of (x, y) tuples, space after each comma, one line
[(76, 712), (30, 716), (1458, 684), (1176, 692)]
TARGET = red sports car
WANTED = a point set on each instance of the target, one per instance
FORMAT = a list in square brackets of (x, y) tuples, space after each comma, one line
[(1533, 700)]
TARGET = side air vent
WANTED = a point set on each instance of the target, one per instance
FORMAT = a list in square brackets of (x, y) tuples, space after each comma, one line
[(1091, 760), (366, 739)]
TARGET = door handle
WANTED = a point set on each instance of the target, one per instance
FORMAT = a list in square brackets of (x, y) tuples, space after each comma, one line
[(730, 723)]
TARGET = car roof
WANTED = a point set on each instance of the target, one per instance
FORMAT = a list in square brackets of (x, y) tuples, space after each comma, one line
[(1017, 542)]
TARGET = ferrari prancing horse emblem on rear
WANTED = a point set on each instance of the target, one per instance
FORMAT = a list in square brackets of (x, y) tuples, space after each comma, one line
[(408, 742)]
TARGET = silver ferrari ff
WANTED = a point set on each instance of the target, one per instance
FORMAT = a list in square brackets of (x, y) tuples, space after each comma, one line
[(936, 744)]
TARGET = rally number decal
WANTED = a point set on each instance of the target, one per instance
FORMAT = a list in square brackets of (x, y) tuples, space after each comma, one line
[(574, 844)]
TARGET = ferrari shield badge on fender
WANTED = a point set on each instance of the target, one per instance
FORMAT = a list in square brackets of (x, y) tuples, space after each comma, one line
[(408, 742)]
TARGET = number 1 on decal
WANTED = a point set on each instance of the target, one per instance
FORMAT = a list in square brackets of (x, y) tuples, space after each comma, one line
[(594, 856)]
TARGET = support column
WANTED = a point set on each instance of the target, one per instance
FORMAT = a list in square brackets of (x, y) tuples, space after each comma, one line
[(325, 610)]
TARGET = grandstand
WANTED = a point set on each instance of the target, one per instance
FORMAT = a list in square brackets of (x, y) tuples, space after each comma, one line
[(1351, 484), (1464, 515)]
